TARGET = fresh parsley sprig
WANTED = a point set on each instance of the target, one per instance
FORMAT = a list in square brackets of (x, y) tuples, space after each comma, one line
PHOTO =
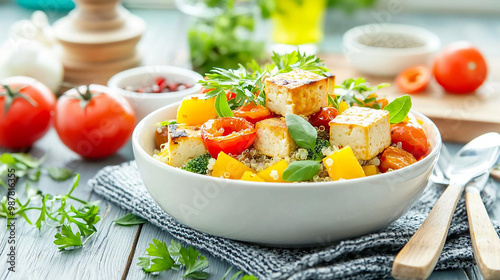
[(57, 211), (356, 91), (160, 257)]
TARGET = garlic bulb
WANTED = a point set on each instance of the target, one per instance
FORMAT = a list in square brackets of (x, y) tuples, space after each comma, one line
[(32, 51)]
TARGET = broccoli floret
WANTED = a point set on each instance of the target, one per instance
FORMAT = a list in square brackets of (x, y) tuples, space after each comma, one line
[(198, 164), (316, 153)]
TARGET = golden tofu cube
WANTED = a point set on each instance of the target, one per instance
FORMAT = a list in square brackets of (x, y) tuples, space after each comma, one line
[(184, 143), (273, 138), (367, 131), (298, 92)]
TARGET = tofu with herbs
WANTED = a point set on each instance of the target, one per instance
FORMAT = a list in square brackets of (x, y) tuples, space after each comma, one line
[(273, 139), (298, 92), (367, 131), (184, 143)]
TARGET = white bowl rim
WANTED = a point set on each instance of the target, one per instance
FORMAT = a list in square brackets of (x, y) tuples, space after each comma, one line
[(431, 40), (155, 69), (250, 184)]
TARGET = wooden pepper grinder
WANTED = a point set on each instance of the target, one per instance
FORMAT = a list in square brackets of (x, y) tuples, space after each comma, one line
[(98, 39)]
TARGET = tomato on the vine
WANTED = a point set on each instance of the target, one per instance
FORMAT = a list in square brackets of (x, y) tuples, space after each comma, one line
[(412, 137), (460, 68), (230, 135), (323, 117), (253, 113), (94, 121), (26, 108)]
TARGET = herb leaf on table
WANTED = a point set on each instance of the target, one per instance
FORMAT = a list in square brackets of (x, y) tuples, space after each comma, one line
[(129, 220), (59, 174)]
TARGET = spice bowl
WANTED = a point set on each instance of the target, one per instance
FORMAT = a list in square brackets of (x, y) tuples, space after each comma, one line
[(126, 83), (387, 49)]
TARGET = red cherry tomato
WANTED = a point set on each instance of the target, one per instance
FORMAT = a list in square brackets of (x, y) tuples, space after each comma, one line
[(229, 135), (323, 117), (100, 128), (253, 113), (414, 79), (412, 137), (460, 68), (28, 117)]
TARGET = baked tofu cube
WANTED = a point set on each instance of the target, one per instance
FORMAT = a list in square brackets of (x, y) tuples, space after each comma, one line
[(367, 131), (298, 92), (184, 143), (273, 138)]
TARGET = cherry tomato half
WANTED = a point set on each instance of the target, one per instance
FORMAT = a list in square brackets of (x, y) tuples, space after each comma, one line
[(28, 117), (253, 113), (323, 117), (412, 137), (414, 79), (460, 68), (395, 158), (230, 135), (96, 126)]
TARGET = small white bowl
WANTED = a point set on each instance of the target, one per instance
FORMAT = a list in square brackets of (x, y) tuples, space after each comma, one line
[(385, 61), (145, 103), (281, 214)]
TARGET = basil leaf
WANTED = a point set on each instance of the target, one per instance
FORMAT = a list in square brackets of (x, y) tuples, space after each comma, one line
[(221, 106), (129, 220), (301, 170), (302, 132), (399, 108), (59, 174)]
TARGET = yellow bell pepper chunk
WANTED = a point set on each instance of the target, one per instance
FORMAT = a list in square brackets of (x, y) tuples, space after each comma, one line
[(343, 164), (343, 106), (274, 173), (228, 167), (196, 110), (250, 176), (371, 170)]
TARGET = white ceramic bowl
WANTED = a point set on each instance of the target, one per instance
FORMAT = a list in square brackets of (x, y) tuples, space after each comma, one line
[(382, 61), (280, 214), (145, 103)]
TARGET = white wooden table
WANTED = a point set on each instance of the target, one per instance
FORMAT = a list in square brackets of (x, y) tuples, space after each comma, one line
[(113, 252)]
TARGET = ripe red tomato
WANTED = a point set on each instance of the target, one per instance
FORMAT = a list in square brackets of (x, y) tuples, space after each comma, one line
[(460, 68), (229, 135), (28, 117), (412, 137), (253, 113), (414, 79), (323, 117), (93, 123)]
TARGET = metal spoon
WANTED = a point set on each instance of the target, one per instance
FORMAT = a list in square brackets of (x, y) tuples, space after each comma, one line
[(419, 256)]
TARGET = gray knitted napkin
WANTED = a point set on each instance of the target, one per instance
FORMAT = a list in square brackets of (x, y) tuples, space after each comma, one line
[(367, 257)]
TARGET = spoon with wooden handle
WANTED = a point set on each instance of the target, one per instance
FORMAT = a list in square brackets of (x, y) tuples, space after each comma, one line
[(418, 257)]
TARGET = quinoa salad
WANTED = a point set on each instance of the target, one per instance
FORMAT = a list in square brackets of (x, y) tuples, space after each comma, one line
[(288, 122)]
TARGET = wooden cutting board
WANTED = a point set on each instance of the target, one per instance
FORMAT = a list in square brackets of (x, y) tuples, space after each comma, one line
[(460, 118)]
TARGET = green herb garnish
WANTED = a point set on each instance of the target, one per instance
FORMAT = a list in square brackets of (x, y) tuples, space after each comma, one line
[(160, 258), (59, 174), (302, 132), (129, 220), (237, 275), (167, 123), (357, 91), (222, 107), (301, 170), (399, 108)]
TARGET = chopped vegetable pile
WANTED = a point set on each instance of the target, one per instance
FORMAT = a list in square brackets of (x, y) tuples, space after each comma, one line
[(287, 122)]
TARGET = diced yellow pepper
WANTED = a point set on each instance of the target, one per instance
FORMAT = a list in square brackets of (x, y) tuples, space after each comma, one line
[(274, 173), (250, 176), (228, 167), (343, 164), (163, 153), (371, 170), (343, 106), (196, 110)]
